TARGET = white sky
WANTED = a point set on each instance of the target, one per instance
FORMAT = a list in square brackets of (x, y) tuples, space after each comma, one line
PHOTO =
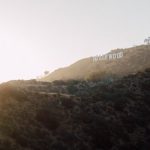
[(39, 35)]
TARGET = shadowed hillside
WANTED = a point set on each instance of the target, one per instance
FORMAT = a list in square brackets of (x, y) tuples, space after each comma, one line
[(135, 59), (76, 115)]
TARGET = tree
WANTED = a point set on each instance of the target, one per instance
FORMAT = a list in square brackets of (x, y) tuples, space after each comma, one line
[(46, 72), (147, 41)]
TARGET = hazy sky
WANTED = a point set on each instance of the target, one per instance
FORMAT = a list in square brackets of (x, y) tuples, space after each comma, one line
[(39, 35)]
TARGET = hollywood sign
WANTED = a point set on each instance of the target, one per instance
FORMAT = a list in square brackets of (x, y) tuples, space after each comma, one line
[(109, 56)]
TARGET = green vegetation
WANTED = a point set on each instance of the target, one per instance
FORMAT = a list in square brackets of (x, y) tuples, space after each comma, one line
[(76, 115)]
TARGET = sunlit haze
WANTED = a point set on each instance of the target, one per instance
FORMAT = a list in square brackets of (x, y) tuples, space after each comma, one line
[(39, 35)]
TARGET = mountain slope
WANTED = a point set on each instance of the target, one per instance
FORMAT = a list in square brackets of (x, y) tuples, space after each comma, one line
[(135, 59), (112, 116)]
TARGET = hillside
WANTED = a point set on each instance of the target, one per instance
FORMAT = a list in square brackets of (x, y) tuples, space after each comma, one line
[(76, 115), (135, 59)]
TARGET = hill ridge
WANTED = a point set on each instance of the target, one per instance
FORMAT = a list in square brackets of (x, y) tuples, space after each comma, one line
[(134, 59)]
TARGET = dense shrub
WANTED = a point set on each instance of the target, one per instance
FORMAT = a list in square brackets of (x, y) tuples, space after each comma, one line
[(99, 115)]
